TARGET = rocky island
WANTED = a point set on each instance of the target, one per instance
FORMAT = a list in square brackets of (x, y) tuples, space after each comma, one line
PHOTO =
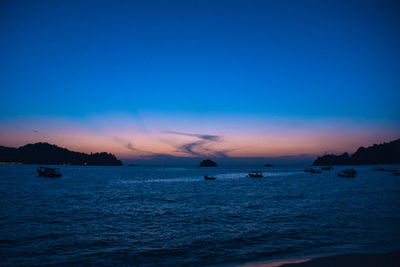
[(44, 153), (386, 153), (208, 163)]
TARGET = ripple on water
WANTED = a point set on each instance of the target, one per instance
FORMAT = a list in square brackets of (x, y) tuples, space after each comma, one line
[(172, 216)]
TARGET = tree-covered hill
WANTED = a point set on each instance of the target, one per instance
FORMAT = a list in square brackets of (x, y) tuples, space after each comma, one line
[(386, 153), (44, 153)]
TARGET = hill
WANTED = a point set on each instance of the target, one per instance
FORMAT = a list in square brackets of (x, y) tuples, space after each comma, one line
[(208, 163), (386, 153), (44, 153)]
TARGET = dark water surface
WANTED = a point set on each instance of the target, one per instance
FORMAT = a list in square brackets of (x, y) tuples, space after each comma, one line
[(172, 216)]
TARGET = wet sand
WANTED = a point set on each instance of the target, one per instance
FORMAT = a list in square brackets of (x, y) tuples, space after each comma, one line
[(391, 259)]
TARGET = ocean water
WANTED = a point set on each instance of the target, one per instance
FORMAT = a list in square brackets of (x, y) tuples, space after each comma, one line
[(172, 216)]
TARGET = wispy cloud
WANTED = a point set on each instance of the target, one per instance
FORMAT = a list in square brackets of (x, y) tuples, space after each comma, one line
[(127, 144), (201, 136), (199, 147)]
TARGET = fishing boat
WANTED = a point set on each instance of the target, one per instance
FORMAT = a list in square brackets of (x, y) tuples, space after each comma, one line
[(255, 175), (209, 177), (396, 173), (328, 168), (349, 173), (49, 172), (308, 170)]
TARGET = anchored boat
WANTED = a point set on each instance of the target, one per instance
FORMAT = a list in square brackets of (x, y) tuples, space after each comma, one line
[(255, 175), (49, 172), (349, 173)]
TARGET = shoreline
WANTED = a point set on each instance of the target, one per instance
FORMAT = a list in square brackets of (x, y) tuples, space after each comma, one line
[(389, 259)]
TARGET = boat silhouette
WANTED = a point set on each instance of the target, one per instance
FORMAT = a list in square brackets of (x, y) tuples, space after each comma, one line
[(255, 175), (49, 172)]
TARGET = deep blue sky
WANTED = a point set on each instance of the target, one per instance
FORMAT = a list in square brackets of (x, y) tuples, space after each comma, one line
[(307, 60), (291, 58)]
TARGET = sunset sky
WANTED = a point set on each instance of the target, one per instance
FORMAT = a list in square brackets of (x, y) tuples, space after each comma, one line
[(200, 78)]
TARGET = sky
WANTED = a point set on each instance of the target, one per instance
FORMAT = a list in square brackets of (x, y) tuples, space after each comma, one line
[(200, 78)]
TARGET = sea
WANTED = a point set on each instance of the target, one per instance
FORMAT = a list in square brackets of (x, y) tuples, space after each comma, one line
[(172, 216)]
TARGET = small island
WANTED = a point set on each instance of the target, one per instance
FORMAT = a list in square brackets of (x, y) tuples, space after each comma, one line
[(386, 153), (44, 153), (208, 163)]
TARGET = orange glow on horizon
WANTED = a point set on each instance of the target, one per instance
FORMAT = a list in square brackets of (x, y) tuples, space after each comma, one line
[(127, 138)]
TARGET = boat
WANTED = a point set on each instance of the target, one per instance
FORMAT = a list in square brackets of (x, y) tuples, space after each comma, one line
[(209, 177), (378, 169), (255, 175), (349, 173), (308, 170), (316, 171), (49, 172), (396, 173), (328, 168)]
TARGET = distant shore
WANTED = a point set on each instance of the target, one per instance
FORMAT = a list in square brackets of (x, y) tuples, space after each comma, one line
[(48, 154), (386, 153), (390, 259)]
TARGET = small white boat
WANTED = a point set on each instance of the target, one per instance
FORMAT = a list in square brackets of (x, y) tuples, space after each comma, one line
[(349, 173), (316, 171), (255, 175), (49, 172), (313, 170)]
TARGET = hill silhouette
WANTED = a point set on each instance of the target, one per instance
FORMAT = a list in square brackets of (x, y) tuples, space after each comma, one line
[(44, 153), (386, 153), (208, 163)]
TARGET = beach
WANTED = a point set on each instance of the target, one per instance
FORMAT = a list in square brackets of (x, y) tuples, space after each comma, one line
[(390, 259)]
